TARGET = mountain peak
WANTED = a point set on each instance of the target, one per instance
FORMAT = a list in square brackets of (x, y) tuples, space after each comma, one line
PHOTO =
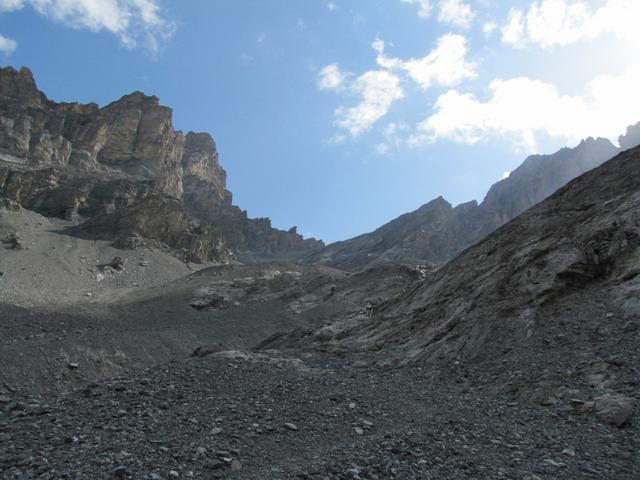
[(631, 138)]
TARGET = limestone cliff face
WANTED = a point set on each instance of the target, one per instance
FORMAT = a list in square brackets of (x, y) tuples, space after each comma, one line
[(437, 232), (124, 170), (139, 139), (204, 180)]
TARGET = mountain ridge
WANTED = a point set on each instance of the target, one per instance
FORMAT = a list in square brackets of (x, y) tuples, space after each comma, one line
[(437, 231)]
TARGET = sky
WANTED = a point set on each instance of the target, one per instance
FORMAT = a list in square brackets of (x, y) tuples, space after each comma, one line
[(339, 115)]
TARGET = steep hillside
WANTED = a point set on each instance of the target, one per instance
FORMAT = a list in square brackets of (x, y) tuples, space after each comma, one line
[(123, 172), (559, 283), (437, 232)]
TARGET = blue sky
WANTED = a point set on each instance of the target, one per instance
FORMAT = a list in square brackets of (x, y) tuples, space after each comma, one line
[(337, 116)]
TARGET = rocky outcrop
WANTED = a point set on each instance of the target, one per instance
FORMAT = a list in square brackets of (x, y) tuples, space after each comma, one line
[(437, 232), (123, 170)]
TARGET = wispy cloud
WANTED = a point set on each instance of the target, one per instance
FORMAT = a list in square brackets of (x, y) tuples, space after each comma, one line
[(455, 12), (452, 12), (377, 89), (563, 22), (7, 45), (382, 149), (424, 6), (246, 59), (489, 27), (332, 78), (332, 6), (135, 22), (10, 5), (445, 65)]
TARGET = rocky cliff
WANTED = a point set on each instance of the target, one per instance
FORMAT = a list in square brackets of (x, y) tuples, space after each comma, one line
[(437, 232), (123, 172)]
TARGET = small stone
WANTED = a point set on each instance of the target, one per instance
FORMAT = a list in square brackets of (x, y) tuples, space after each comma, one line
[(73, 366), (215, 431), (236, 466), (569, 452), (291, 426), (359, 431), (173, 474), (117, 263), (119, 472)]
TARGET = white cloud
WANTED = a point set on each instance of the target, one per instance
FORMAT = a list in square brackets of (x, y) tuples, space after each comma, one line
[(513, 32), (489, 27), (378, 89), (506, 175), (445, 65), (455, 12), (332, 6), (331, 78), (7, 45), (563, 22), (424, 9), (134, 22), (10, 5), (522, 109)]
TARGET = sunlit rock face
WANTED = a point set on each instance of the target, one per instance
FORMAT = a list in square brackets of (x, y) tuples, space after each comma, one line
[(124, 170)]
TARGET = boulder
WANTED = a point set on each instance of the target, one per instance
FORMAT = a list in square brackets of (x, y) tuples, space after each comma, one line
[(614, 409)]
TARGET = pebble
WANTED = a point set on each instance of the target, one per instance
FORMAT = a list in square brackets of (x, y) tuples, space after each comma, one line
[(291, 426), (119, 472)]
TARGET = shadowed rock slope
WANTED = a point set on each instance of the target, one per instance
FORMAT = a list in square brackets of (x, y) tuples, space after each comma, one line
[(123, 172), (437, 232), (555, 290)]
